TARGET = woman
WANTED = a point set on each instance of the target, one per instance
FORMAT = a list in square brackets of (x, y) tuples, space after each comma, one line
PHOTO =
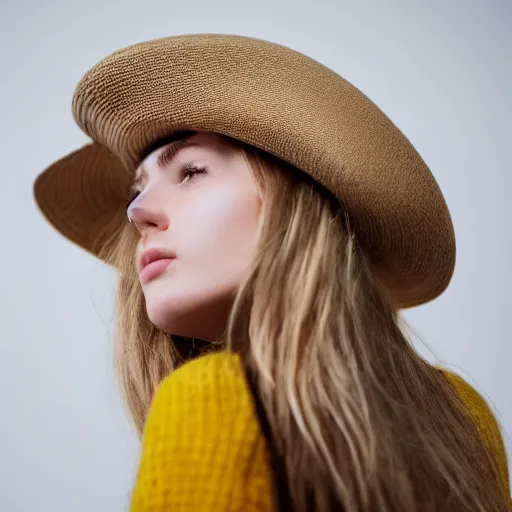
[(277, 223)]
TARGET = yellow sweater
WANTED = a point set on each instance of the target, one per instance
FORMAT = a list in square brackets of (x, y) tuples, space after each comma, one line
[(203, 449)]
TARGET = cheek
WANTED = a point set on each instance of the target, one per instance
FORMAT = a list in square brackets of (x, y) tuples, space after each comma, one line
[(222, 235), (215, 239)]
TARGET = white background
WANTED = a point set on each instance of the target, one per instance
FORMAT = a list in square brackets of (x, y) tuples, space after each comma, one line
[(441, 70)]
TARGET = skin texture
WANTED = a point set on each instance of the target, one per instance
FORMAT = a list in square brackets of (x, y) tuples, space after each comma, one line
[(209, 221)]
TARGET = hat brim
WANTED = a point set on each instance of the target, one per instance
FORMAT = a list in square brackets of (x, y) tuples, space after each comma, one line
[(275, 99), (82, 193)]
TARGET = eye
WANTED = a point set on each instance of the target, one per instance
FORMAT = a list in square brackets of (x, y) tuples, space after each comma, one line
[(190, 172)]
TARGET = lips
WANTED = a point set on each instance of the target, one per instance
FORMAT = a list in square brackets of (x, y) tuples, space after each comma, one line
[(153, 263)]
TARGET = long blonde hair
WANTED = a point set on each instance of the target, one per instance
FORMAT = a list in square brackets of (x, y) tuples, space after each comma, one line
[(361, 421)]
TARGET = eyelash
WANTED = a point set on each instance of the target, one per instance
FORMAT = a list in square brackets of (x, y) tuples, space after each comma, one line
[(186, 174), (189, 171)]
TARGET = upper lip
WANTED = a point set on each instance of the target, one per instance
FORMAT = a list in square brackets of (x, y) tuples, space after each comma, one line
[(151, 255)]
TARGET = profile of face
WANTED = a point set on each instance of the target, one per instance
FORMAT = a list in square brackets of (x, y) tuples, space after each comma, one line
[(197, 209)]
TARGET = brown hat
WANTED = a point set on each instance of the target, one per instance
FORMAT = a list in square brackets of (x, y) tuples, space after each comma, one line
[(273, 98)]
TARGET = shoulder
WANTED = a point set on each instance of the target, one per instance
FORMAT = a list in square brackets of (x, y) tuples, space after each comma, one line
[(205, 376), (212, 386), (485, 421), (202, 446), (211, 392), (476, 405)]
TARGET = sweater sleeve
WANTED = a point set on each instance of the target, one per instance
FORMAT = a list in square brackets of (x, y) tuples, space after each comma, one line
[(487, 426), (202, 449)]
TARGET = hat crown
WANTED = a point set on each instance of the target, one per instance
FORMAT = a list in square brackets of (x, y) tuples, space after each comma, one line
[(290, 105)]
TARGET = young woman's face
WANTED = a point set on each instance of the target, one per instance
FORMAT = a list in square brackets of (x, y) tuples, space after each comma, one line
[(198, 216), (197, 209)]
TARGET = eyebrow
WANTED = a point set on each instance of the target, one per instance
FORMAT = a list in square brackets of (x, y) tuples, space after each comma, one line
[(169, 153)]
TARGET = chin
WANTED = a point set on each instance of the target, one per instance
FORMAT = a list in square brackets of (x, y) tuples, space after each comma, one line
[(171, 316), (190, 315)]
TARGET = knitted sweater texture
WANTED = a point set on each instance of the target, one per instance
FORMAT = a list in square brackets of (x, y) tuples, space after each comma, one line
[(203, 448)]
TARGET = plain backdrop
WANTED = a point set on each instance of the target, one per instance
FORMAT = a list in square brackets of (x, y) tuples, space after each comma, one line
[(442, 70)]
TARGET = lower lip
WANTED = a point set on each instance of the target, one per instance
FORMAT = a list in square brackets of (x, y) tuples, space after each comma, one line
[(154, 270)]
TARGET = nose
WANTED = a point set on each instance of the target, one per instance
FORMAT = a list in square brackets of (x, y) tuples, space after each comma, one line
[(146, 217)]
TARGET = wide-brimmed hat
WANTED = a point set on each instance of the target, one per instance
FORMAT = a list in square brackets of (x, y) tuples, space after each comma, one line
[(275, 99)]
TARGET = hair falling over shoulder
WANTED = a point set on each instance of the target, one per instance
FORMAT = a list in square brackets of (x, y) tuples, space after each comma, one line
[(362, 422)]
